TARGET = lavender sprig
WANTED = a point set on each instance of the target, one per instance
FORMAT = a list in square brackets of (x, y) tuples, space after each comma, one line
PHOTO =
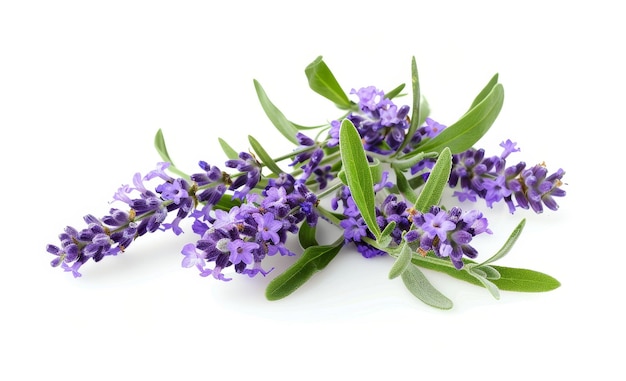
[(343, 176)]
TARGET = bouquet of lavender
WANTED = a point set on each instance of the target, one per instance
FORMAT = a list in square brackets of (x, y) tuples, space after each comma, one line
[(377, 173)]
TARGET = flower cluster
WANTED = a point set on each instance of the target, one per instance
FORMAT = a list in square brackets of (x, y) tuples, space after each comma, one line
[(245, 215), (493, 180)]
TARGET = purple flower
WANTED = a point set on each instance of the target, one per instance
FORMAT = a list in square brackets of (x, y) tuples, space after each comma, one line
[(353, 229), (241, 251), (437, 225), (509, 147), (432, 128), (268, 227), (193, 256)]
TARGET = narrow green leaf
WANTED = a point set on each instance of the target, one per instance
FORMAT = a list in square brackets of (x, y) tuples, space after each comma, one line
[(463, 134), (437, 181), (481, 277), (417, 283), (322, 81), (424, 112), (395, 92), (508, 245), (313, 259), (277, 118), (376, 170), (524, 280), (485, 91), (228, 150), (511, 279), (408, 161), (301, 127), (402, 262), (342, 177), (306, 235), (358, 175), (404, 187), (159, 144), (415, 109), (265, 158), (489, 271), (385, 236)]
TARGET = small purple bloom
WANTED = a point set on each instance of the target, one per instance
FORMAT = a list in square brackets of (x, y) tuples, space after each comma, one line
[(353, 229), (268, 227), (241, 251), (437, 225)]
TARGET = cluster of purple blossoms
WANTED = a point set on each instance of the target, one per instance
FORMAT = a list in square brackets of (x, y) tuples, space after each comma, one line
[(445, 233), (381, 123), (493, 180), (114, 232), (243, 228), (245, 234)]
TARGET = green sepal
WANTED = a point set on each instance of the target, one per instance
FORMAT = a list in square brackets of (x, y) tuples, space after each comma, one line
[(159, 144), (322, 81), (437, 181), (265, 158), (417, 283), (278, 119), (313, 259), (463, 134), (358, 174)]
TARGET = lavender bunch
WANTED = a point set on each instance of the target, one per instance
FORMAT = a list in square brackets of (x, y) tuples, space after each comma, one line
[(377, 174)]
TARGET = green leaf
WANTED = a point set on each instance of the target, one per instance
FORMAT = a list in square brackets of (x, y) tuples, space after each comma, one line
[(395, 92), (415, 112), (524, 280), (358, 175), (265, 158), (511, 279), (417, 283), (409, 161), (404, 187), (301, 127), (508, 245), (485, 91), (277, 118), (306, 235), (402, 262), (313, 259), (482, 278), (437, 181), (385, 236), (463, 134), (159, 144), (376, 170), (488, 271), (228, 150), (322, 81)]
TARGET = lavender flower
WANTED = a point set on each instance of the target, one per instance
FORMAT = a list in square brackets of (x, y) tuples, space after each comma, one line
[(114, 232), (250, 175), (492, 180)]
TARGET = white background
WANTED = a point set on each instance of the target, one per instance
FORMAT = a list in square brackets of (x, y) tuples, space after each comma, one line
[(84, 86)]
